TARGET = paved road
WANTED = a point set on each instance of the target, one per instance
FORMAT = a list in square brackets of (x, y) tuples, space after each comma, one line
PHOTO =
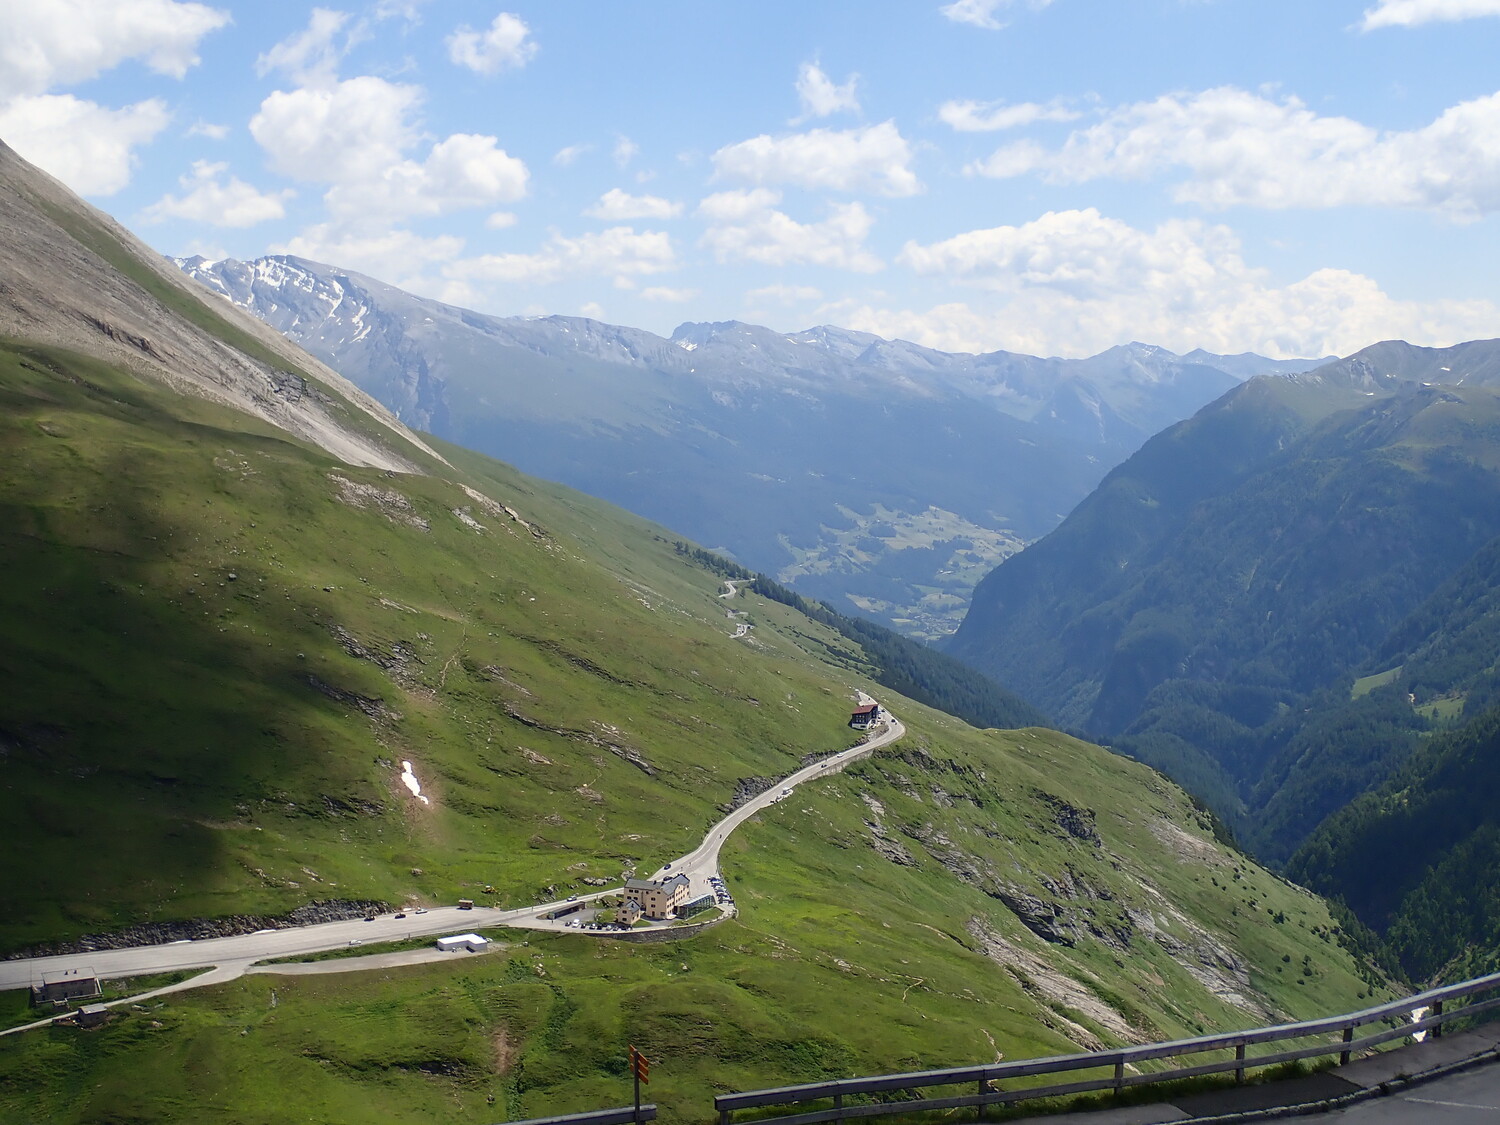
[(1461, 1099), (703, 861), (232, 956)]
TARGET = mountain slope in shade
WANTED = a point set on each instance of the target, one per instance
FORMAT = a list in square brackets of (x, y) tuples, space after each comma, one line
[(1209, 605), (872, 473)]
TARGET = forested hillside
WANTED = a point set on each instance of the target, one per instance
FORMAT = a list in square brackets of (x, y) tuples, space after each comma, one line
[(1419, 858), (1275, 599)]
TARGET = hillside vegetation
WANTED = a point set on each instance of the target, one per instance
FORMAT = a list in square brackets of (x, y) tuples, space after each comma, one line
[(226, 644), (1211, 606)]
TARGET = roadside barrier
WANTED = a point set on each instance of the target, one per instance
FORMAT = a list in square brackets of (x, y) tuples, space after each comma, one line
[(1114, 1069)]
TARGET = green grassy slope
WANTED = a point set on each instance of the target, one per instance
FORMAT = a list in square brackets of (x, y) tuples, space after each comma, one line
[(221, 645)]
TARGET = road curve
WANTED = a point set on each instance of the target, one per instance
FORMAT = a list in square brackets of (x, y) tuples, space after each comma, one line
[(703, 860), (233, 955)]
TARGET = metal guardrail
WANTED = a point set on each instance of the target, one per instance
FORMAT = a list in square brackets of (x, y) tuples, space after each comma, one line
[(866, 1097), (597, 1117)]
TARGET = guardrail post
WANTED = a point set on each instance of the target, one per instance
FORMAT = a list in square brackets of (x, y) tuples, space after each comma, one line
[(1239, 1070), (1437, 1010), (1119, 1074), (724, 1116), (984, 1088), (1344, 1054)]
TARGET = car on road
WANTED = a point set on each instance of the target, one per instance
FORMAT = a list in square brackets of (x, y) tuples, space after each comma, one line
[(420, 910), (572, 898), (398, 917), (369, 917), (355, 941), (666, 867)]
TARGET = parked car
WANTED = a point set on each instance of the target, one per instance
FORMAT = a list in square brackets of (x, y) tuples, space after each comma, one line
[(399, 916)]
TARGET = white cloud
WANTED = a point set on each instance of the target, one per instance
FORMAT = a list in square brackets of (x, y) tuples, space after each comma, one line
[(62, 42), (985, 117), (662, 293), (85, 145), (205, 129), (465, 170), (616, 252), (1240, 148), (1075, 282), (820, 96), (506, 43), (564, 157), (395, 256), (1410, 13), (312, 56), (746, 228), (626, 150), (618, 206), (981, 13), (728, 206), (592, 309), (784, 294), (871, 158), (217, 201), (500, 220), (347, 131)]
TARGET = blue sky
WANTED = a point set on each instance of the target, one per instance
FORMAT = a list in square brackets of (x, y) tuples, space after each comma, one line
[(1045, 176)]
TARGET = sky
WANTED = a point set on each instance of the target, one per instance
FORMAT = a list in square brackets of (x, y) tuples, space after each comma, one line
[(1054, 177)]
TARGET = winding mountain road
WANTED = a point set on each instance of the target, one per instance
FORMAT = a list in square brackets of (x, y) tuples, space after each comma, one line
[(231, 957)]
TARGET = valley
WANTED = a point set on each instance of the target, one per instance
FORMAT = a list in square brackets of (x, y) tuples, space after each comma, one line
[(764, 446)]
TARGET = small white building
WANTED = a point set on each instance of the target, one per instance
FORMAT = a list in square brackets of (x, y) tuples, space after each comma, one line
[(473, 943)]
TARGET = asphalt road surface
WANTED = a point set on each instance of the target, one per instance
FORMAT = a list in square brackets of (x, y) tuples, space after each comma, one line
[(1469, 1098)]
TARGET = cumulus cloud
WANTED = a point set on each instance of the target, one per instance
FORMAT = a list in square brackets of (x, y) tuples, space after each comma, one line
[(747, 228), (564, 157), (397, 256), (784, 294), (312, 56), (465, 170), (987, 117), (206, 129), (62, 42), (626, 150), (85, 145), (505, 44), (617, 252), (1075, 282), (820, 96), (1240, 148), (1410, 13), (348, 130), (981, 13), (354, 135), (212, 198), (617, 206), (870, 158)]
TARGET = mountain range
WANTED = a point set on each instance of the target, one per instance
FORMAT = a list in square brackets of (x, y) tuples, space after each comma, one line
[(876, 474)]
